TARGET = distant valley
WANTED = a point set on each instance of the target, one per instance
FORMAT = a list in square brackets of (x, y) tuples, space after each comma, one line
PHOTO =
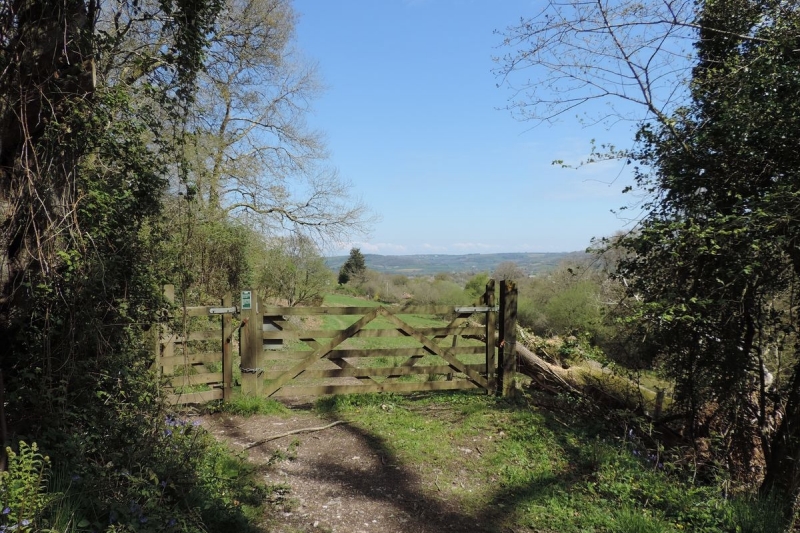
[(431, 264)]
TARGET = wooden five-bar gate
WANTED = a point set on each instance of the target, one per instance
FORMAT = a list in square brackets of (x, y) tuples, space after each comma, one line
[(314, 351)]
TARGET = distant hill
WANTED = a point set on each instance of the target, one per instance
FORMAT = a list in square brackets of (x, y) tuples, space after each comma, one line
[(430, 264)]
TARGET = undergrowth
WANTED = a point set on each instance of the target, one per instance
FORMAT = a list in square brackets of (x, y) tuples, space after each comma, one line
[(190, 483)]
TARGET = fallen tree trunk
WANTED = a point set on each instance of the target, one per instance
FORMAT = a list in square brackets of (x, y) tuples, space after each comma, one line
[(587, 378), (546, 375)]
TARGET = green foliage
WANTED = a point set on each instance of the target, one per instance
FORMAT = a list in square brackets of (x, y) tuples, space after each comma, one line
[(575, 309), (354, 268), (444, 292), (628, 520), (715, 260), (572, 300), (207, 255), (293, 270), (23, 486), (476, 285)]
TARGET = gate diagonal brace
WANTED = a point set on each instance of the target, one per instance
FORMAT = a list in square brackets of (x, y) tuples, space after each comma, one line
[(320, 352), (341, 363), (444, 353)]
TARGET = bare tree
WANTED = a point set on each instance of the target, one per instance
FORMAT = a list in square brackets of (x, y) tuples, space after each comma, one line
[(632, 56), (509, 270), (256, 158)]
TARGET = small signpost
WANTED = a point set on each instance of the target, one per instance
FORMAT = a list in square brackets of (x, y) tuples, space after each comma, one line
[(247, 300)]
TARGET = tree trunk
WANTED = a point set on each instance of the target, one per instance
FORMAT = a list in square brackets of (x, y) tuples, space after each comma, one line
[(782, 471), (47, 63), (782, 467)]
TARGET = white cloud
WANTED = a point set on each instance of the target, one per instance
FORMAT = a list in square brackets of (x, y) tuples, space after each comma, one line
[(432, 248), (371, 247), (472, 247)]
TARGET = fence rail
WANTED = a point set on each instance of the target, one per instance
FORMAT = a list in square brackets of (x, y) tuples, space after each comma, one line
[(312, 351)]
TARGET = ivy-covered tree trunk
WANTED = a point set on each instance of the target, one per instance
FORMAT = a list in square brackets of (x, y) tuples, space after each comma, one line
[(782, 472), (82, 172), (782, 469), (46, 68)]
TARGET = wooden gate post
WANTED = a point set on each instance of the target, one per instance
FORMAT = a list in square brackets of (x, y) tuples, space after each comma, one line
[(167, 335), (227, 356), (491, 341), (508, 337), (251, 342)]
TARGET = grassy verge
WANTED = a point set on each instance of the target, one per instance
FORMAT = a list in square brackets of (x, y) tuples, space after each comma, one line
[(520, 467)]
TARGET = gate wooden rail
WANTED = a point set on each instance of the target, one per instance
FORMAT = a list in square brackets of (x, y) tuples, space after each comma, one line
[(370, 349), (194, 352), (313, 351)]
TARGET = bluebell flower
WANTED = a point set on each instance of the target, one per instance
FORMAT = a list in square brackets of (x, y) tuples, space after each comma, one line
[(143, 520), (163, 483), (6, 510), (167, 432), (171, 522), (25, 522)]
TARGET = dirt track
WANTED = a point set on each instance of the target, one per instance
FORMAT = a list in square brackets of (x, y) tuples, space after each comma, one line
[(340, 480)]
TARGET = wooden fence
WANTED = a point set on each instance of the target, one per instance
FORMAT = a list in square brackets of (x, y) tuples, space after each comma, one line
[(313, 351), (193, 351)]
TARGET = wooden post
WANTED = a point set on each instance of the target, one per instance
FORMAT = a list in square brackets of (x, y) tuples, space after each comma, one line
[(659, 404), (167, 335), (227, 357), (251, 343), (491, 341), (508, 355)]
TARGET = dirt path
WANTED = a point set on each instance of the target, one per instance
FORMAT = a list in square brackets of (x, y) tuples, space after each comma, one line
[(340, 480)]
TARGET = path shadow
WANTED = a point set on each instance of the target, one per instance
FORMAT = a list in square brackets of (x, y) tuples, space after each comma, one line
[(398, 489)]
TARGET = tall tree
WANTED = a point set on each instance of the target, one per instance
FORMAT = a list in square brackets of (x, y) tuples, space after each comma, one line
[(719, 248), (354, 268), (715, 259), (255, 157), (82, 170)]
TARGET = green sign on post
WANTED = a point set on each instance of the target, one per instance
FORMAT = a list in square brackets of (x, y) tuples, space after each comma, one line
[(247, 301)]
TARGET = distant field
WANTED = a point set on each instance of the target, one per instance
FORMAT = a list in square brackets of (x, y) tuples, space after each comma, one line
[(425, 265)]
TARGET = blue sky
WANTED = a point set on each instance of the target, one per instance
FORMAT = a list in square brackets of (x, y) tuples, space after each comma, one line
[(411, 118)]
